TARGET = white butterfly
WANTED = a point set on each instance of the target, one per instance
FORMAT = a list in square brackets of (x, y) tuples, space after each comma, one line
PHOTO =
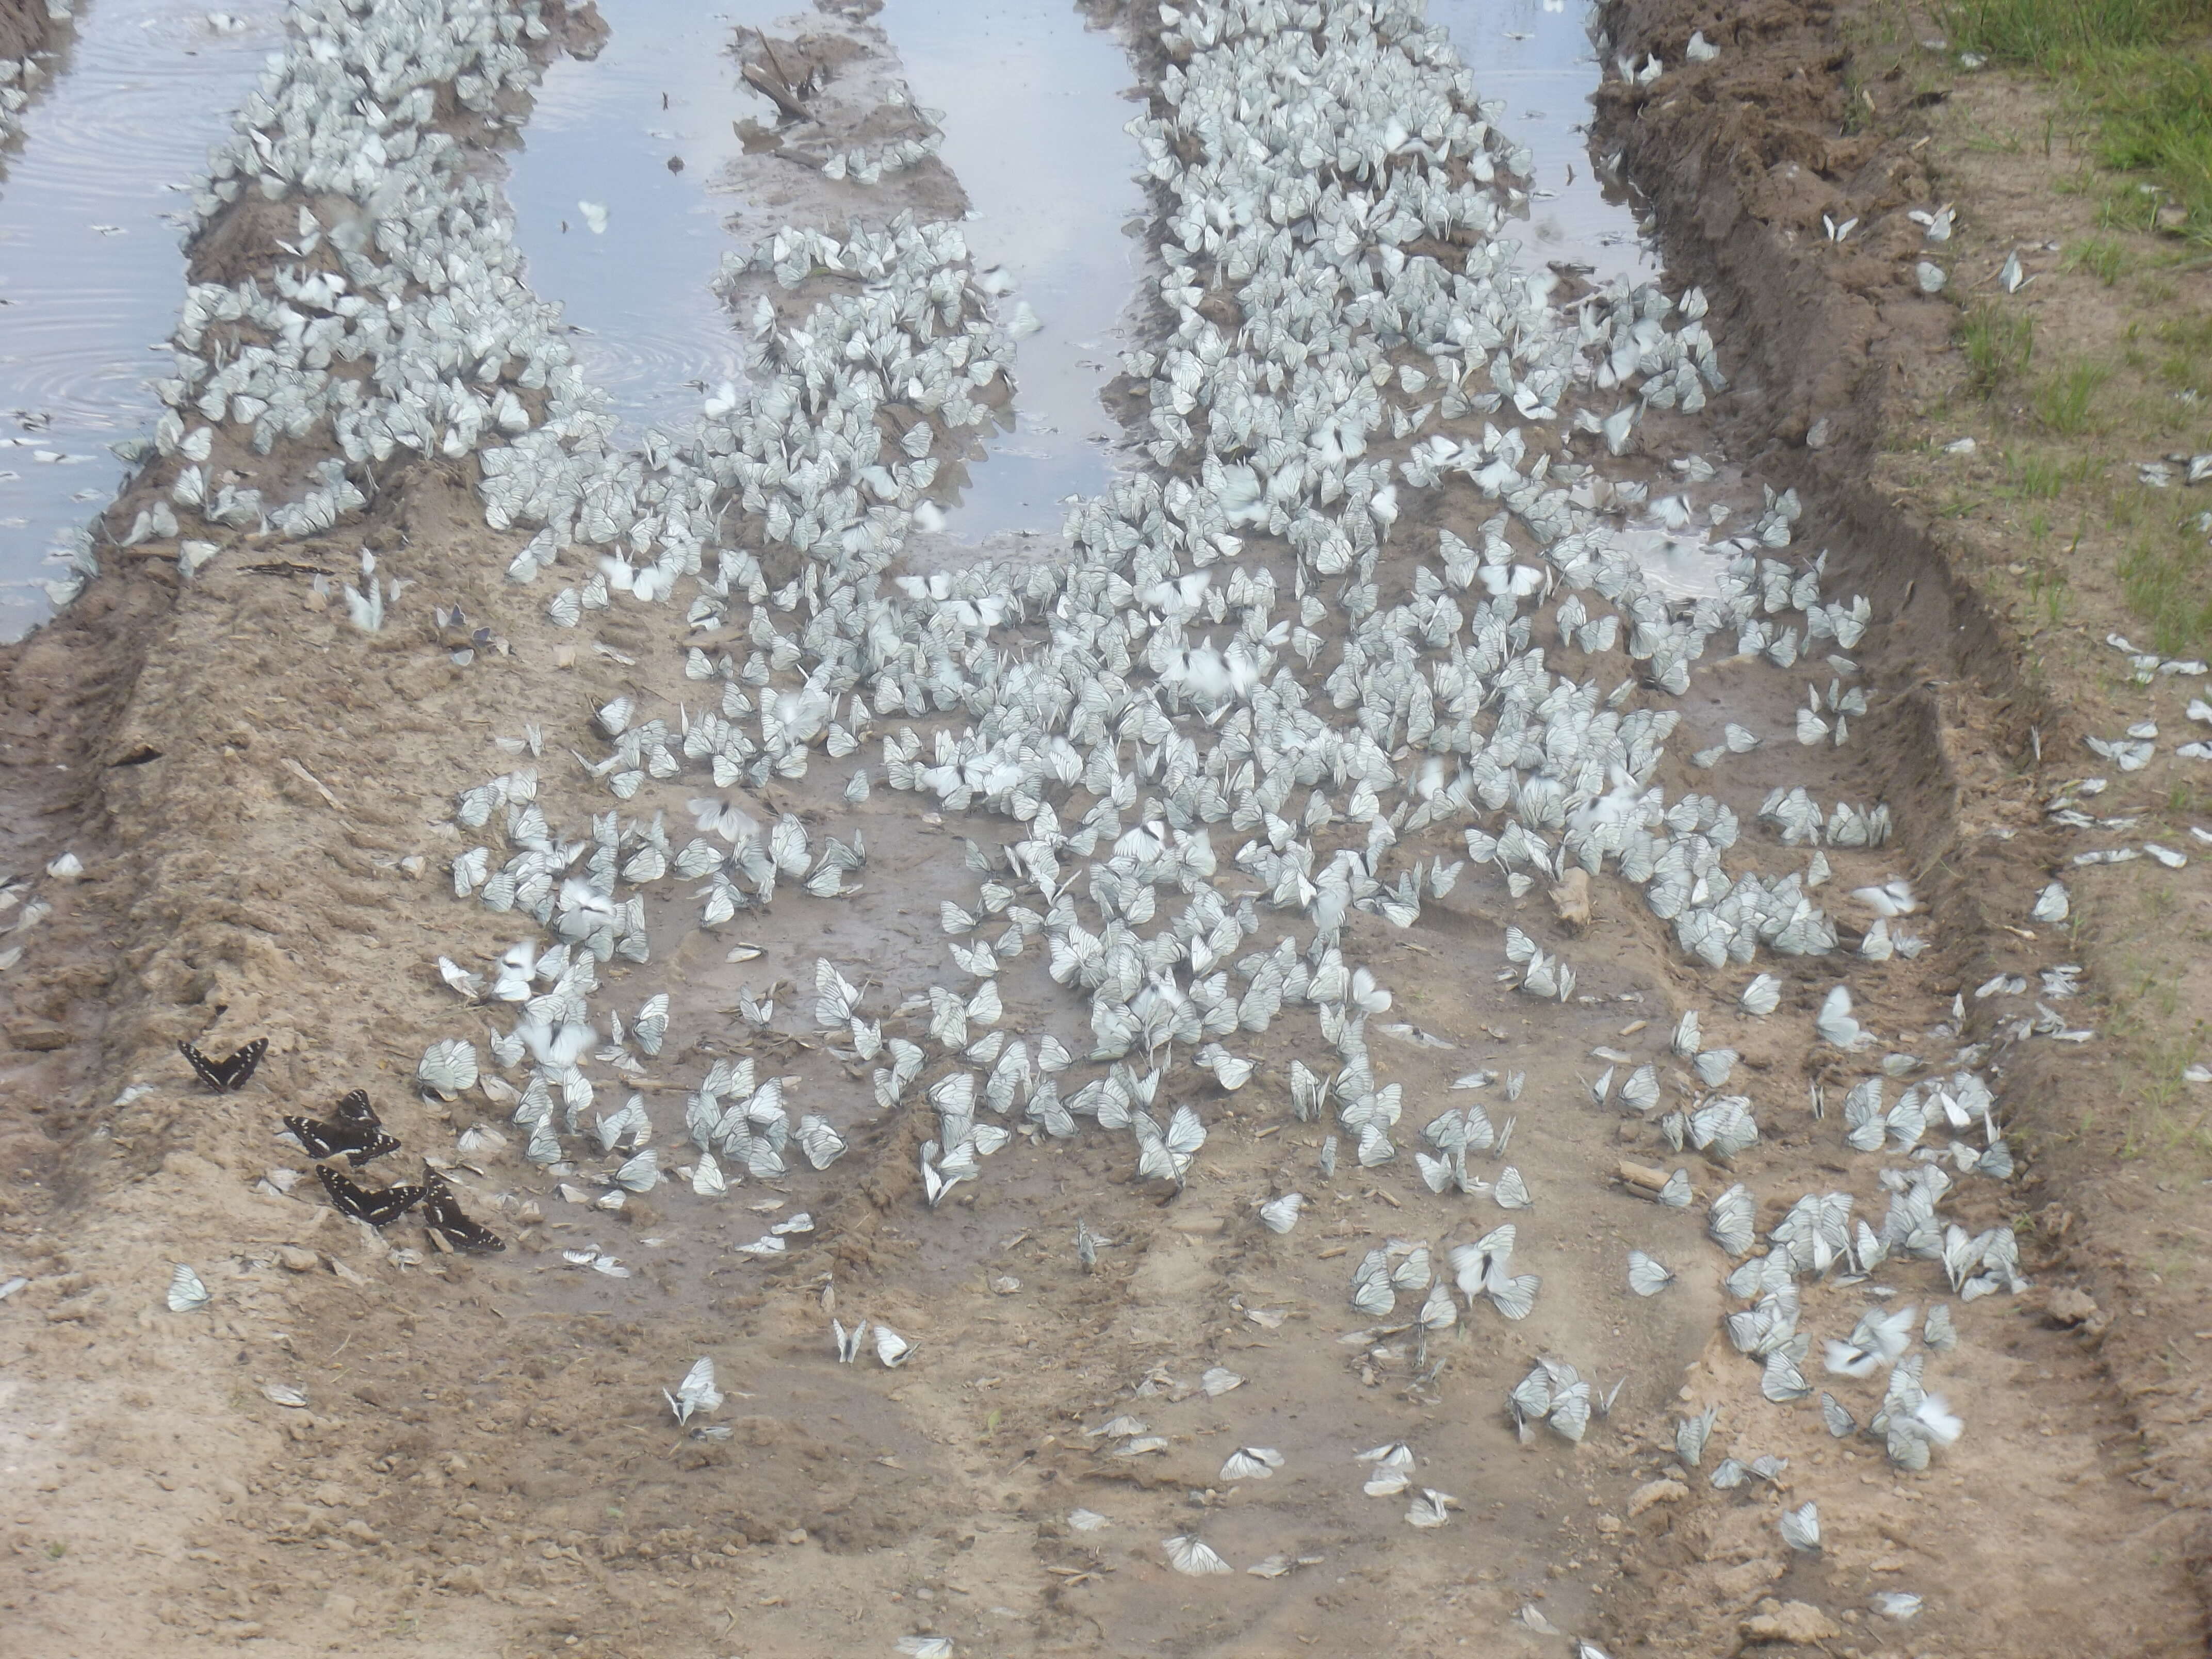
[(1193, 1556), (1732, 1219), (1841, 1423), (1645, 1276), (1432, 1508), (1801, 1528), (1251, 1464), (1835, 1024), (464, 983), (1513, 1296), (696, 1393), (819, 1141), (651, 1026), (186, 1292), (1280, 1214), (837, 999), (1691, 1434), (1640, 1093), (447, 1068), (892, 1349), (925, 1647), (848, 1342), (1392, 1464)]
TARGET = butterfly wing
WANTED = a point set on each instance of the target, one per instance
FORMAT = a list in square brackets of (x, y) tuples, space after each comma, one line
[(230, 1073), (356, 1109), (443, 1213), (318, 1139), (375, 1146), (380, 1207)]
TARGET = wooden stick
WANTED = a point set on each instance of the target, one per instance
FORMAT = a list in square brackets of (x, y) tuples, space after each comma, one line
[(757, 78)]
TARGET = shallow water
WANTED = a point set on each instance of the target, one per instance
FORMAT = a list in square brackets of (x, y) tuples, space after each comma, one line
[(91, 274), (1033, 116), (650, 332), (1034, 108), (1537, 57)]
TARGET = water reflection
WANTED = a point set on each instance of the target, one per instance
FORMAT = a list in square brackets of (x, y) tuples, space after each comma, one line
[(649, 330), (1033, 115), (91, 273), (1034, 107), (1537, 58)]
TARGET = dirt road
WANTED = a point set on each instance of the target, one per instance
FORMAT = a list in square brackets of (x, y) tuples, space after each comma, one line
[(365, 1443)]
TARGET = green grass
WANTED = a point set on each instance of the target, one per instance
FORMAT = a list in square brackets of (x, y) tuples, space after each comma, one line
[(2065, 402), (2142, 69), (2187, 364), (2035, 477), (2048, 35), (1999, 345), (2104, 258), (2166, 580), (2157, 110)]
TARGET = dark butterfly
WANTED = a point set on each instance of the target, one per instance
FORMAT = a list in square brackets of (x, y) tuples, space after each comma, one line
[(359, 1145), (224, 1075), (354, 1130), (356, 1109), (441, 1212), (380, 1207)]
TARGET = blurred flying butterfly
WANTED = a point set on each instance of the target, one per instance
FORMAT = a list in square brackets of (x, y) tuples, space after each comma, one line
[(442, 1214), (223, 1076), (380, 1207), (354, 1130)]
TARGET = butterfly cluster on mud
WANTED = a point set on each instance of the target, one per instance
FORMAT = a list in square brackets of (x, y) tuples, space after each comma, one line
[(354, 1131)]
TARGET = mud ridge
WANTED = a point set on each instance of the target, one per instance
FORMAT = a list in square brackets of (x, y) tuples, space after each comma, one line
[(1739, 159)]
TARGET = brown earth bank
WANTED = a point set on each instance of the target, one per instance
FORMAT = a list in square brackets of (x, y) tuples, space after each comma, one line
[(1850, 377)]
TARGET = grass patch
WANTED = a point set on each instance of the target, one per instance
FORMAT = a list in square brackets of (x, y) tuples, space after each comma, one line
[(2065, 402), (2049, 34), (2034, 477), (2104, 258), (1999, 345), (2142, 69), (2187, 363), (2157, 119), (2168, 582)]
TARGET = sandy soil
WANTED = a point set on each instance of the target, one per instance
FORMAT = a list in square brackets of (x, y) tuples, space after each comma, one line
[(262, 799)]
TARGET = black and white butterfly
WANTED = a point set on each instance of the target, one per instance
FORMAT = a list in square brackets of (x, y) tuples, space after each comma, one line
[(380, 1207), (441, 1213), (224, 1076), (354, 1129)]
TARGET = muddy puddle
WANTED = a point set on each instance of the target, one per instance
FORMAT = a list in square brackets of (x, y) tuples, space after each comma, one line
[(632, 186), (91, 274), (1538, 59), (641, 131), (1035, 98)]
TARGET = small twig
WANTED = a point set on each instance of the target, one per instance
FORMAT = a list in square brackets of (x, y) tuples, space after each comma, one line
[(758, 81), (776, 63), (293, 766)]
